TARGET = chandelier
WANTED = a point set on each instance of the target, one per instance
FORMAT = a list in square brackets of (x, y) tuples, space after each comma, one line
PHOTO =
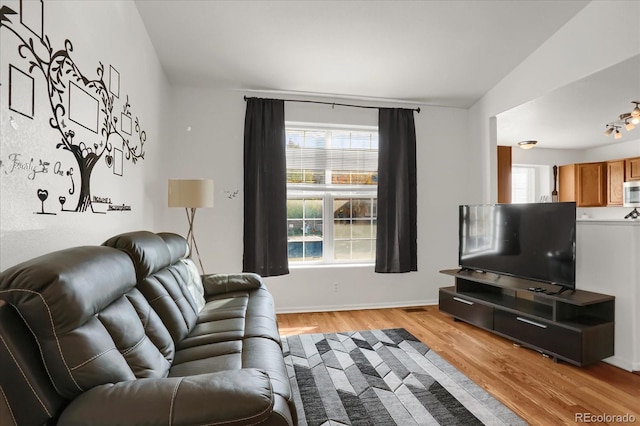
[(628, 120)]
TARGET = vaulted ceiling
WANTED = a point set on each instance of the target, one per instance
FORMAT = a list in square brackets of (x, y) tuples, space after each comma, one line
[(444, 53)]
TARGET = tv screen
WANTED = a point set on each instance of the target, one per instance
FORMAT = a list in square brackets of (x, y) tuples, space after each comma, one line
[(535, 241)]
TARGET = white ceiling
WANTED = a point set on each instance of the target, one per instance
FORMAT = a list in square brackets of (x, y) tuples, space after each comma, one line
[(575, 116), (446, 53)]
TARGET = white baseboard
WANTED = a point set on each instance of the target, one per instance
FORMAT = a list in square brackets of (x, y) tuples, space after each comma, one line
[(355, 307), (623, 363)]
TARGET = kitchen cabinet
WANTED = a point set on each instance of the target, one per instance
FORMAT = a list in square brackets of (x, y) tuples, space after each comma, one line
[(615, 178), (567, 183), (632, 169), (504, 174), (584, 183)]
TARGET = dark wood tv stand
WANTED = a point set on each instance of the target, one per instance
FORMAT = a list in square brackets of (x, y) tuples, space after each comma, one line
[(575, 326)]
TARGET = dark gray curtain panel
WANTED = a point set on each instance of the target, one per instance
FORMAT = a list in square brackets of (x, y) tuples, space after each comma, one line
[(265, 188), (396, 239)]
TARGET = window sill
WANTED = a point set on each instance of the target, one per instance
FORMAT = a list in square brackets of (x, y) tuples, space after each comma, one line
[(331, 265)]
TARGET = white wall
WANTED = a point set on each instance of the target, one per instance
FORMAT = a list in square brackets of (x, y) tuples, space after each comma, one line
[(596, 245), (214, 148), (110, 33)]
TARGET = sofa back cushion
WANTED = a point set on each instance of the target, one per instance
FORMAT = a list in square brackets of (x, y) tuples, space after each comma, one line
[(25, 386), (163, 277), (91, 325)]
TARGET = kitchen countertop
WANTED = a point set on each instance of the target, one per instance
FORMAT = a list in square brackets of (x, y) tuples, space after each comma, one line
[(621, 221)]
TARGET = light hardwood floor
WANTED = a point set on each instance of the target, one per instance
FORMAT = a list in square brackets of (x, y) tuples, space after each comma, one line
[(539, 390)]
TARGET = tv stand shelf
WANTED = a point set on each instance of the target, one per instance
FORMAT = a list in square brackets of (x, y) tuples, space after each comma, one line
[(575, 326)]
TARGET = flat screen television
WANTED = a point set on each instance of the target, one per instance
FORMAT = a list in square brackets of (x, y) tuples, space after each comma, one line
[(535, 241)]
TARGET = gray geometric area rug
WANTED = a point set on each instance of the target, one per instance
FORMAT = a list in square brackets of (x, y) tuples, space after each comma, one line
[(383, 377)]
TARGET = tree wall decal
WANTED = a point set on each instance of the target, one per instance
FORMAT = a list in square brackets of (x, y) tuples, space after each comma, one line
[(60, 72)]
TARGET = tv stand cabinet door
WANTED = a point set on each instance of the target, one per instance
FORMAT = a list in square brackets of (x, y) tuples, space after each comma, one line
[(548, 337), (467, 310)]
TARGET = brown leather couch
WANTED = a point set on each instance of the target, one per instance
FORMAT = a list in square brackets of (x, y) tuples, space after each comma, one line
[(124, 333)]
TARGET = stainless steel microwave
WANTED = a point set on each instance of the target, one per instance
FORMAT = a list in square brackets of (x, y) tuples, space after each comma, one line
[(631, 193)]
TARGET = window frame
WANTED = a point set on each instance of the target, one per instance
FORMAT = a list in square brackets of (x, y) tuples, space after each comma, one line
[(328, 192), (538, 183)]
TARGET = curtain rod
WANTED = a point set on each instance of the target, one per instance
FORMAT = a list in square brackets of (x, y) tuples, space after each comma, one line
[(333, 104)]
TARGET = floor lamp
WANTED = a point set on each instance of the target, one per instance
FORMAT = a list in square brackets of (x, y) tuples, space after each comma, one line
[(191, 194)]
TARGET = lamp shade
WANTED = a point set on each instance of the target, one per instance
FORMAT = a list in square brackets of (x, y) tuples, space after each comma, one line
[(191, 193)]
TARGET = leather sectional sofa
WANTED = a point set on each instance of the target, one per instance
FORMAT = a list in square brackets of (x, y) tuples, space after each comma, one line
[(129, 333)]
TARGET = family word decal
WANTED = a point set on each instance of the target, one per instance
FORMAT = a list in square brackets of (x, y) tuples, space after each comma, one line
[(16, 164)]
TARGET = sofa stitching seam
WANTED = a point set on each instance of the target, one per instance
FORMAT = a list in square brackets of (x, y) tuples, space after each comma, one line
[(55, 335), (93, 358), (147, 318), (160, 297), (46, 368), (26, 380), (183, 287), (126, 352), (9, 405), (173, 397)]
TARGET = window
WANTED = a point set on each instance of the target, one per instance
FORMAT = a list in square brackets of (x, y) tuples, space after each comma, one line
[(529, 183), (331, 194)]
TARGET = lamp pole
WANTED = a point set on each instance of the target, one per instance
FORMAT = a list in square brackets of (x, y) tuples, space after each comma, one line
[(191, 236)]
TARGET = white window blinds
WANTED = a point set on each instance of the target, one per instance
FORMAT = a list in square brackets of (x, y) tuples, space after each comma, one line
[(335, 150)]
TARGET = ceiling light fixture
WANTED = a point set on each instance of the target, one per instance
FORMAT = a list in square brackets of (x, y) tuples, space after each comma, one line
[(629, 126), (627, 119), (617, 134), (609, 130), (527, 144)]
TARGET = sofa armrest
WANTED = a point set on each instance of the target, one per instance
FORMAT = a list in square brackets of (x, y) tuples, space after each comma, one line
[(224, 283), (235, 397)]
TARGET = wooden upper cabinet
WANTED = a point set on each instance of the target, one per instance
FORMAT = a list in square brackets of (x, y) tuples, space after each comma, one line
[(584, 183), (632, 169), (567, 183), (504, 174), (615, 178), (591, 181)]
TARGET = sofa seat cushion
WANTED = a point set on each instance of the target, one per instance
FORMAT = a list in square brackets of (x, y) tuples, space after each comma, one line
[(241, 314), (256, 352), (214, 331), (206, 351), (206, 339), (218, 326), (233, 305), (210, 364)]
